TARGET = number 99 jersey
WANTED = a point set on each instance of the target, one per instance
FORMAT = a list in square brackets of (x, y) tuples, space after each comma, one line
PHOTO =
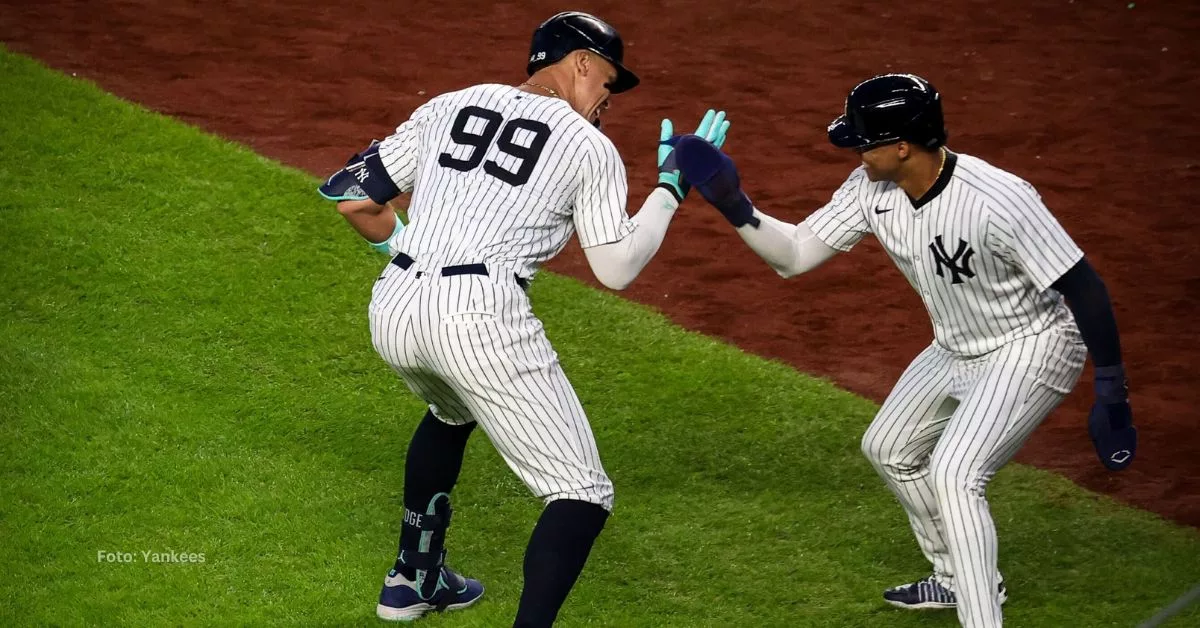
[(504, 177)]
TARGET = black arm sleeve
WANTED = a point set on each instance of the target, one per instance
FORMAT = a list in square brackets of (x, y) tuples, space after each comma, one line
[(1088, 299)]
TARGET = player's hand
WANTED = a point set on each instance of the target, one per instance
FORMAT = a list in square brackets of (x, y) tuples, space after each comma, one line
[(715, 177), (1110, 423), (713, 128)]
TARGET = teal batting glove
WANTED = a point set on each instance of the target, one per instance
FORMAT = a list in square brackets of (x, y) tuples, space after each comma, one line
[(713, 128)]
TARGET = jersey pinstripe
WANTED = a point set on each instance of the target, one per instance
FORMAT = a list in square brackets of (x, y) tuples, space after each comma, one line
[(572, 179), (471, 347), (944, 431), (981, 254), (500, 179), (982, 251)]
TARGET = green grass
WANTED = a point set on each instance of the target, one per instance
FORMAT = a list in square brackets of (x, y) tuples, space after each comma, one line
[(185, 365)]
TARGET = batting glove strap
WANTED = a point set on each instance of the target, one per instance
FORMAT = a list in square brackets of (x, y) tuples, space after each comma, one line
[(673, 184), (740, 212)]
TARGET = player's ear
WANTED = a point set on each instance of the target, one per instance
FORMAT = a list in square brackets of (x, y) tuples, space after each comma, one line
[(903, 150), (583, 62)]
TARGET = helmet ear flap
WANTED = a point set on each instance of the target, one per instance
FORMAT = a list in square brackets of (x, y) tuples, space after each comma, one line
[(927, 128)]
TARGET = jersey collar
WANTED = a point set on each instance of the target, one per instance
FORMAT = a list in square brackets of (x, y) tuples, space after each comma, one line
[(942, 181)]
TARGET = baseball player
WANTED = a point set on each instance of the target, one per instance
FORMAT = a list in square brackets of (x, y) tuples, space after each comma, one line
[(501, 177), (992, 266)]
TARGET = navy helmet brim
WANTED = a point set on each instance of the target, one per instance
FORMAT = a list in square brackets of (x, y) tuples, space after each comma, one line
[(626, 79), (842, 134)]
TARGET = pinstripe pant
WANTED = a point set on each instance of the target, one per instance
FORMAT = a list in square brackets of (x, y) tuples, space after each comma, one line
[(471, 347), (943, 432)]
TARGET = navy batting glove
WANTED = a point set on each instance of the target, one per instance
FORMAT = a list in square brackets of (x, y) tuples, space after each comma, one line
[(1110, 423), (715, 176), (713, 127)]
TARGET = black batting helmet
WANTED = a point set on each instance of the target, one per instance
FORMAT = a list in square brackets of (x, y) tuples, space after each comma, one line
[(890, 108), (572, 30)]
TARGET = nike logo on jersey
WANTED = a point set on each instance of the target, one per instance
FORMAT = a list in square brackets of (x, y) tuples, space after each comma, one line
[(881, 211)]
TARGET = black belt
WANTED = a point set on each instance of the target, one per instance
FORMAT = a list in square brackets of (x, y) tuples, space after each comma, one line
[(405, 262)]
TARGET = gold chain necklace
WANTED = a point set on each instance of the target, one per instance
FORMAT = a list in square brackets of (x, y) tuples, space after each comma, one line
[(542, 87), (936, 176)]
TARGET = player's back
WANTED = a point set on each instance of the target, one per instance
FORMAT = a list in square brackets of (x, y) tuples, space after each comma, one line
[(497, 175)]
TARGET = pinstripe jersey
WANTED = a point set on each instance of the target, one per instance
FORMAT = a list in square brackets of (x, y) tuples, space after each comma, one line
[(980, 248), (504, 177)]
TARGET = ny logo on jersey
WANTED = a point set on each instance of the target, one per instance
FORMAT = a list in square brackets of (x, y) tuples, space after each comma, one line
[(959, 263)]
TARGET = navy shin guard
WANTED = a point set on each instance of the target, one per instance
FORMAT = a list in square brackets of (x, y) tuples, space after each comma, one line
[(430, 555)]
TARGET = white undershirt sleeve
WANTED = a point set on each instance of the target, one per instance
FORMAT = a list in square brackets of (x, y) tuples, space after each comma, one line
[(617, 264), (789, 249)]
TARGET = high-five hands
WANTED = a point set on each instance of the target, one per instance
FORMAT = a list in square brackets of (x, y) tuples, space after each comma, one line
[(715, 176), (713, 128)]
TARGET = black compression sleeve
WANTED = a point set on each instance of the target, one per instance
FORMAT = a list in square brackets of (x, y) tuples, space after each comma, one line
[(1088, 299)]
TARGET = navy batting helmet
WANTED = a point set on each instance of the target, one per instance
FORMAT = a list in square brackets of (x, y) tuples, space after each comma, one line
[(571, 30), (890, 108)]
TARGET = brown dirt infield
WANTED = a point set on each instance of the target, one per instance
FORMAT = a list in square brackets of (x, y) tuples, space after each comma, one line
[(1089, 100)]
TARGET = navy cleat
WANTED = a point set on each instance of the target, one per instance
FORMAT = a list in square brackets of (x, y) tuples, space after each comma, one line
[(400, 601), (928, 593)]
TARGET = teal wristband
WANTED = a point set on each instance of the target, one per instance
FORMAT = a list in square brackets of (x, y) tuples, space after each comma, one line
[(382, 247)]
